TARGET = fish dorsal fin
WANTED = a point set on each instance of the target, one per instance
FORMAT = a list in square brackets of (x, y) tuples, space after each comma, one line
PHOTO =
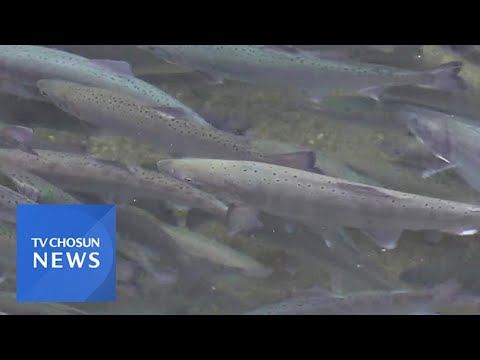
[(385, 238), (118, 67)]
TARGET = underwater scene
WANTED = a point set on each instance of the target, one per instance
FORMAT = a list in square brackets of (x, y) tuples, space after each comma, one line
[(253, 179)]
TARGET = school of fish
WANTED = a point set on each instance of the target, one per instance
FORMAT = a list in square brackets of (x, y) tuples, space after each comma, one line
[(253, 179)]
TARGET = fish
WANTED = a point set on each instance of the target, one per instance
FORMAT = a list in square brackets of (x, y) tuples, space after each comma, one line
[(319, 201), (9, 304), (34, 187), (404, 56), (459, 263), (358, 109), (197, 245), (120, 182), (21, 66), (312, 75), (412, 153), (396, 302), (451, 138), (463, 103), (163, 127), (145, 260), (192, 244), (9, 200)]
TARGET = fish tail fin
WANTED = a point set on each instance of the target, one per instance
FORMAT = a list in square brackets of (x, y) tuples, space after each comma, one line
[(386, 238), (446, 77), (304, 160)]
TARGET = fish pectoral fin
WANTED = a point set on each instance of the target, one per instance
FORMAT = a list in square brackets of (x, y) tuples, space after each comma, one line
[(27, 190), (170, 112), (210, 78), (119, 67), (337, 237), (462, 231), (433, 171), (304, 160), (373, 92), (385, 238), (242, 218)]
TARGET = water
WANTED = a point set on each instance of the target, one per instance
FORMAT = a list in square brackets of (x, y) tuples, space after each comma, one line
[(177, 260)]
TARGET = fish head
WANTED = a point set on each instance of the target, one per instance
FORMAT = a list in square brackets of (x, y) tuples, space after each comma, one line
[(196, 172), (429, 127), (181, 169), (59, 93)]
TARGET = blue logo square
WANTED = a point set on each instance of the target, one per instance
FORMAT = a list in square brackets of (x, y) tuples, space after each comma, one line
[(66, 253)]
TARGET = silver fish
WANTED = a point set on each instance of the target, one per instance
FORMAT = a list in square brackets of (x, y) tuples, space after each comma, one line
[(451, 102), (189, 243), (21, 66), (145, 259), (306, 72), (82, 173), (34, 187), (197, 245), (163, 127), (397, 302), (319, 201), (453, 139)]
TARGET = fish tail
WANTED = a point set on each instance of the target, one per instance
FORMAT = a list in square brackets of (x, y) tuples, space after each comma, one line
[(446, 77)]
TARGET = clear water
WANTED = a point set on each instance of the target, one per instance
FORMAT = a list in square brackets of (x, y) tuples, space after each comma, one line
[(353, 140)]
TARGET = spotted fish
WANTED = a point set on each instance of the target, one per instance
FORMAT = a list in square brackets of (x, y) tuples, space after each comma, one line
[(313, 75), (318, 201), (163, 127), (21, 66)]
